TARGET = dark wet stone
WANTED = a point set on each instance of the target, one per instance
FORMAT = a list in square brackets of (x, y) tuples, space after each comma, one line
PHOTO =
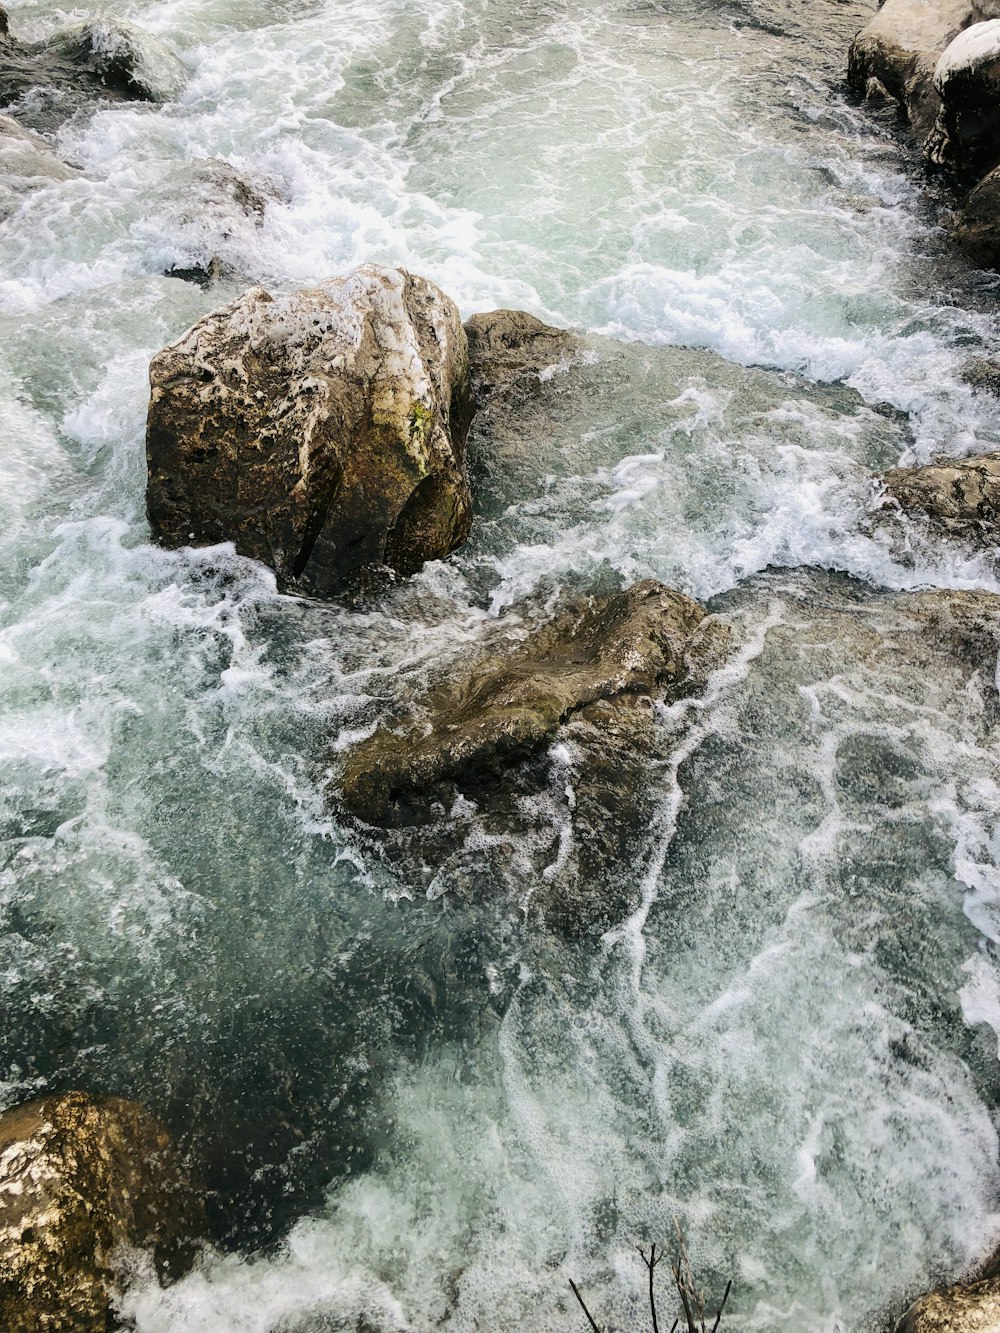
[(961, 497)]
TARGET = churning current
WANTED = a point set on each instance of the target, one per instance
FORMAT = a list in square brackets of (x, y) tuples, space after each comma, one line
[(410, 1105)]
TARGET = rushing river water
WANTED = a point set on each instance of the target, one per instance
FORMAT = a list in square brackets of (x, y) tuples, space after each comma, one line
[(411, 1104)]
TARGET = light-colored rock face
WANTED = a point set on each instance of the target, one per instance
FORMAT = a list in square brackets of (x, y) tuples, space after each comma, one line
[(972, 1309), (972, 54), (898, 50), (80, 1178), (26, 164), (322, 432), (962, 497)]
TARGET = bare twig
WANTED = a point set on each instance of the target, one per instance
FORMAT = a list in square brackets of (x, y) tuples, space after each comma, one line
[(692, 1300), (718, 1317), (583, 1307), (651, 1263)]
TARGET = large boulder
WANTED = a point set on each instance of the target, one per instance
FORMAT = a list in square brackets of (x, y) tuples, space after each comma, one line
[(82, 1179), (101, 60), (978, 228), (471, 731), (961, 497), (967, 80), (26, 164), (898, 51), (323, 431), (959, 1309)]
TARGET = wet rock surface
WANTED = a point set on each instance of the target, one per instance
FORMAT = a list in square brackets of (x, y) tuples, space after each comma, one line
[(82, 1179), (509, 350), (224, 209), (961, 497), (958, 1309), (101, 60), (323, 432), (471, 784), (978, 228)]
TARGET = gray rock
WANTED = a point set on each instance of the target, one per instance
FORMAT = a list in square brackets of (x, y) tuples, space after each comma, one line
[(472, 731), (898, 52), (26, 164), (82, 1178), (468, 785), (962, 498), (323, 432), (105, 59), (983, 374), (958, 1309), (967, 80)]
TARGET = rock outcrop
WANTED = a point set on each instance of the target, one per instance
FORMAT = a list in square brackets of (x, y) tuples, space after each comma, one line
[(533, 767), (978, 228), (966, 137), (897, 54), (959, 1309), (961, 497), (26, 164), (323, 432), (104, 59), (222, 212), (509, 349), (83, 1178), (939, 60)]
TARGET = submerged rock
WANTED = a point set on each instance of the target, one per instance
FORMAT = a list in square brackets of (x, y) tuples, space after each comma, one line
[(467, 785), (106, 58), (958, 1309), (962, 497), (967, 80), (323, 432), (472, 731), (898, 52), (81, 1179), (221, 213), (26, 164)]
